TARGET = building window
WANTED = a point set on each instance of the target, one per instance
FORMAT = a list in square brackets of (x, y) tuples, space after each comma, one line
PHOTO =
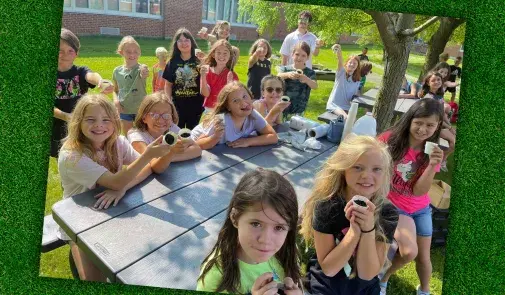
[(135, 8), (227, 10)]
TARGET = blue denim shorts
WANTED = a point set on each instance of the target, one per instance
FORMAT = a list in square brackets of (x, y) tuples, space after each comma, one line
[(422, 219), (127, 117)]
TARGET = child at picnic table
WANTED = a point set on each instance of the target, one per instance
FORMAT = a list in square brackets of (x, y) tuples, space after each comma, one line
[(129, 82), (216, 72), (92, 155), (221, 31), (255, 252), (71, 84), (258, 65), (233, 121), (183, 79), (347, 81), (299, 79), (413, 173), (157, 115), (432, 88), (158, 68), (270, 106), (351, 238), (408, 89)]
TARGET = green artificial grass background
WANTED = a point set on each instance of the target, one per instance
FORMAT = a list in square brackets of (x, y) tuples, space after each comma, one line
[(29, 38)]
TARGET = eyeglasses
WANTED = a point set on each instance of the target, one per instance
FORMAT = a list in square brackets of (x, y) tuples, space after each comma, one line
[(271, 89), (164, 116), (183, 41), (303, 20)]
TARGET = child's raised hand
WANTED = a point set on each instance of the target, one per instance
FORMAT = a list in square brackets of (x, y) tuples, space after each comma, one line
[(144, 71), (364, 216), (204, 70), (106, 86), (264, 285), (436, 156), (178, 147), (229, 77), (108, 197), (336, 48), (281, 105), (290, 288), (304, 79), (156, 149)]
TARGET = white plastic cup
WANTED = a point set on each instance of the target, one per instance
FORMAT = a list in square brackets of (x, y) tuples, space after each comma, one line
[(285, 98), (185, 134), (170, 138), (359, 200), (428, 147)]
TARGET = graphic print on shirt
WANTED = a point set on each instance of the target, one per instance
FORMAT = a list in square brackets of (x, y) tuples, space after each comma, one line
[(186, 77), (68, 88), (404, 171)]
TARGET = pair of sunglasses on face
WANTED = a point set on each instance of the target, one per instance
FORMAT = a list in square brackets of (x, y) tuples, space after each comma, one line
[(271, 89), (303, 20)]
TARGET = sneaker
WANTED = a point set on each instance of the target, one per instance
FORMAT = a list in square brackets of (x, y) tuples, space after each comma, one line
[(443, 166), (419, 292), (383, 286)]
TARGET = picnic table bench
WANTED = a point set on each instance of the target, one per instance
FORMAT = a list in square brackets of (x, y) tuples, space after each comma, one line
[(367, 100), (162, 229)]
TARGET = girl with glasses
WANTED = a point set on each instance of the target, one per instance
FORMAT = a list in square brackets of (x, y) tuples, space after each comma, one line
[(157, 115), (270, 106), (183, 79), (258, 65)]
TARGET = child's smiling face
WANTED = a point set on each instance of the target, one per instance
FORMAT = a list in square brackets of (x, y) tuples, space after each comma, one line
[(239, 103), (222, 55), (66, 56)]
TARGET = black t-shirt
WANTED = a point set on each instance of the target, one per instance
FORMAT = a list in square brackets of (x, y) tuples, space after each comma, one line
[(184, 76), (363, 57), (70, 86), (455, 72), (329, 218), (254, 75)]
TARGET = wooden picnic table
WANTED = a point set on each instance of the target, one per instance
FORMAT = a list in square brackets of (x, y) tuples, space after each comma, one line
[(325, 75), (367, 100), (162, 229)]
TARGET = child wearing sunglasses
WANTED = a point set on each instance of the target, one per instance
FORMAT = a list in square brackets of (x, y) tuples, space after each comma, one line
[(270, 106)]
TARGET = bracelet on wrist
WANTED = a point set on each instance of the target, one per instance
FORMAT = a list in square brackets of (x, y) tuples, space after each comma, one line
[(368, 231)]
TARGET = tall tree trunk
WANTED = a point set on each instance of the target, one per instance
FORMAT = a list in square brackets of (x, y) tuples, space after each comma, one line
[(395, 67), (438, 41)]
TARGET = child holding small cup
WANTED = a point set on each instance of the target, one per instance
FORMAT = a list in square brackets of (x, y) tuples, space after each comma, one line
[(416, 160)]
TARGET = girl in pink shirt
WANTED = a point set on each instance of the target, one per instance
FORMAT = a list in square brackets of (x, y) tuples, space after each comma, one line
[(413, 173)]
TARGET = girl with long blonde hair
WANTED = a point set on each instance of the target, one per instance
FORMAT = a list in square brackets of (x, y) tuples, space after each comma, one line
[(351, 240), (93, 153)]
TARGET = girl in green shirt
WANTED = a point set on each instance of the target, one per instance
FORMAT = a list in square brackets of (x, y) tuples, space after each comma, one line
[(255, 252)]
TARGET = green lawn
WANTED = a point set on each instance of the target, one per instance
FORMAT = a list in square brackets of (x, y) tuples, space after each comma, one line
[(98, 53)]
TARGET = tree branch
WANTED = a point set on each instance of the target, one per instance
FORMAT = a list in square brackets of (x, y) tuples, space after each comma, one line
[(413, 32), (386, 29)]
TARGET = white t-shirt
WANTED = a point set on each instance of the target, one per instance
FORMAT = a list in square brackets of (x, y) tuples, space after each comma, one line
[(292, 39), (136, 135), (79, 173), (253, 123), (342, 92)]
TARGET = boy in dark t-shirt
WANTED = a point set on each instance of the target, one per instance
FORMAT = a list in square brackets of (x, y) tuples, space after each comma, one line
[(72, 82), (329, 218), (455, 72)]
